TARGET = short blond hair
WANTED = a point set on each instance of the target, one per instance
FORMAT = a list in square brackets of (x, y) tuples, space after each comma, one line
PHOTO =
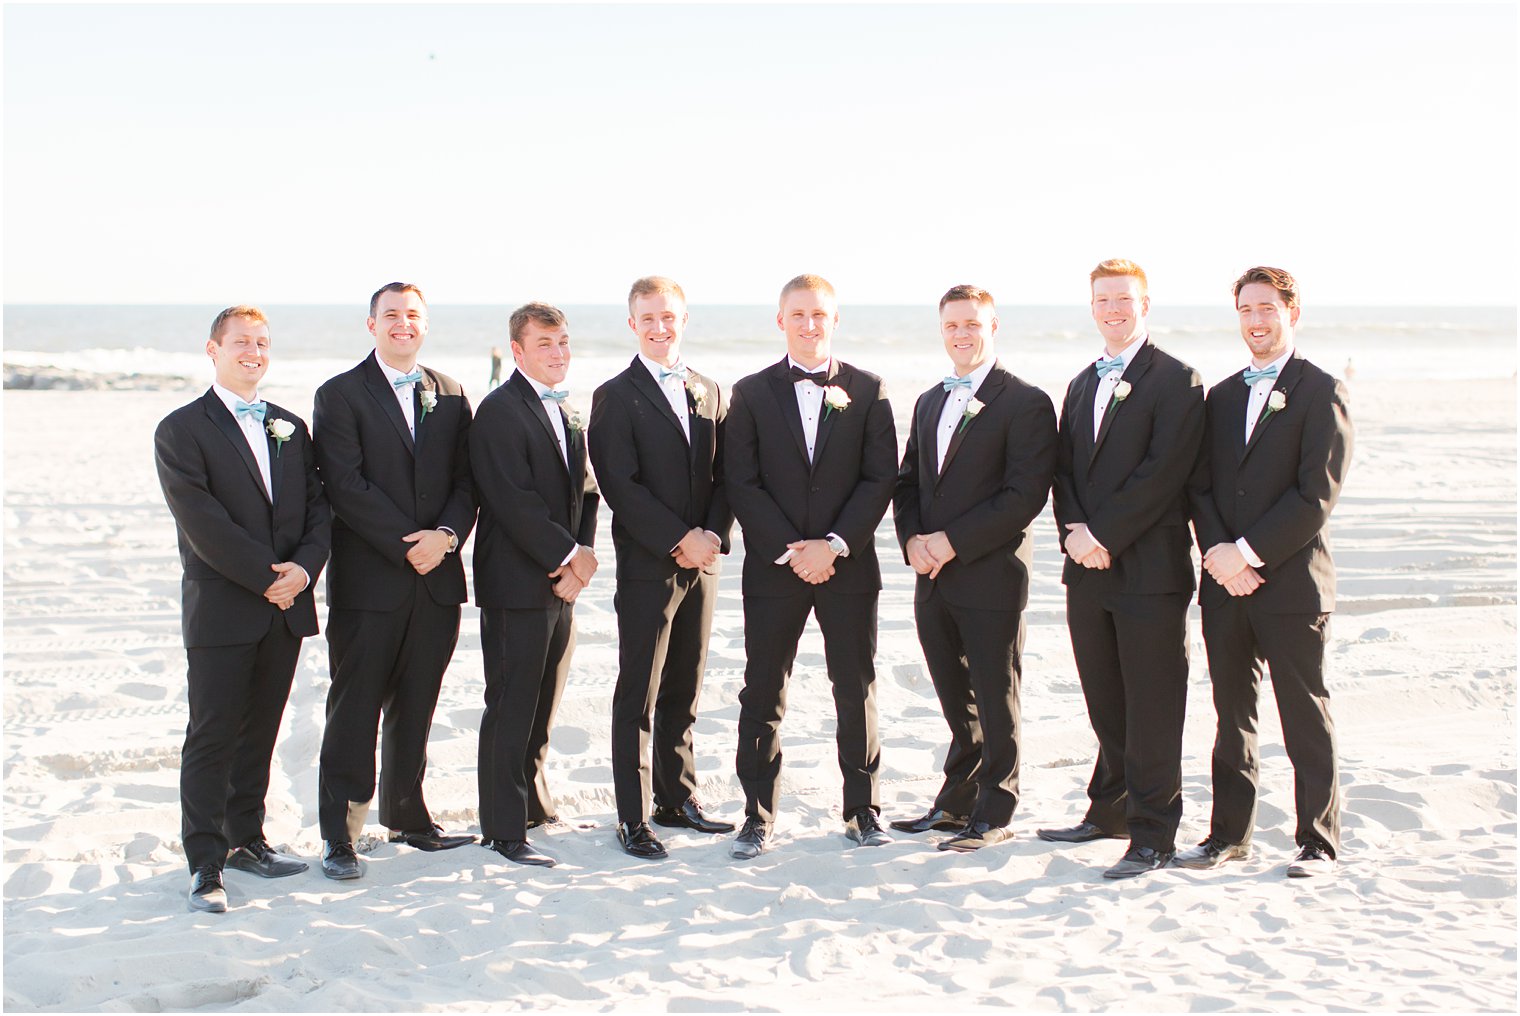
[(815, 283), (242, 310), (1115, 268), (651, 285)]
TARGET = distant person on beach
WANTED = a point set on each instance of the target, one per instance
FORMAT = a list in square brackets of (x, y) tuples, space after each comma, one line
[(254, 531), (533, 557), (656, 442), (810, 459), (1279, 446), (495, 367), (391, 447), (1131, 428), (977, 470)]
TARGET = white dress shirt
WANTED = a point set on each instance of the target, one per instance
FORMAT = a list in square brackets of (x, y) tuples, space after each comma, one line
[(1103, 397), (403, 393), (1259, 393), (955, 410), (810, 406), (674, 390)]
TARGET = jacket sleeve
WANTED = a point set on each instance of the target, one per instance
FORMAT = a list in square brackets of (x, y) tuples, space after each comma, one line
[(905, 512), (766, 528), (1066, 508), (720, 514), (1208, 524), (316, 536), (614, 455), (505, 483), (1028, 466), (459, 511), (867, 503)]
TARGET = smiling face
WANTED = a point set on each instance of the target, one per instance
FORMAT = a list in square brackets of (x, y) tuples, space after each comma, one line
[(1119, 308), (241, 355), (967, 328), (808, 317), (1266, 321), (659, 319), (399, 326), (542, 352)]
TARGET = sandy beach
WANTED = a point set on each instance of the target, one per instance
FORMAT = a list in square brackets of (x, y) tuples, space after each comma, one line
[(1421, 915)]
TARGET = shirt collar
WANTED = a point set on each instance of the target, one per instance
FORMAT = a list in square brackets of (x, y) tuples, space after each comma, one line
[(230, 399), (1128, 352), (1279, 363), (391, 373), (538, 387), (980, 374), (822, 368), (655, 368)]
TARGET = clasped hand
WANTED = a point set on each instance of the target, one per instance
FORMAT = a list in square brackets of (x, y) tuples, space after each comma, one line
[(1084, 550), (812, 561), (929, 553), (697, 549), (573, 576), (1228, 566), (428, 548), (282, 592)]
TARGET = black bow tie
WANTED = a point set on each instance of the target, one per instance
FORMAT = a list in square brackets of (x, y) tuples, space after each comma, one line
[(798, 374)]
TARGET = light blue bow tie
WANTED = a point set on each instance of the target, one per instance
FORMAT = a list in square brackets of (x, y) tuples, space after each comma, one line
[(1253, 376), (554, 396), (407, 379), (254, 409), (1107, 367), (952, 383), (679, 370)]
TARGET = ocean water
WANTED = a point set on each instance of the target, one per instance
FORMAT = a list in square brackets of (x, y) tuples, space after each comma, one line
[(1044, 345)]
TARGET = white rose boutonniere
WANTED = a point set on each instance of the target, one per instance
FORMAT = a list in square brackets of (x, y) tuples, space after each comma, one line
[(835, 399), (698, 392), (281, 431), (429, 401), (973, 408), (576, 421), (1276, 401), (1122, 390)]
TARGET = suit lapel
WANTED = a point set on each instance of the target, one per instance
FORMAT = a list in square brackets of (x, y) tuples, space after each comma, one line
[(525, 391), (228, 425), (700, 424), (991, 388), (276, 460), (384, 394), (429, 384), (786, 401), (826, 416), (1133, 372), (1082, 411), (928, 427), (640, 378), (1285, 383)]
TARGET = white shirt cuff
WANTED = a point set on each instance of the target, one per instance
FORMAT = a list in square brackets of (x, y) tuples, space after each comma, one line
[(305, 575), (570, 556), (1249, 554)]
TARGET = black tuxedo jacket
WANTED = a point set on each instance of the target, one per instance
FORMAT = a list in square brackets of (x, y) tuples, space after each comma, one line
[(230, 532), (1278, 490), (996, 479), (1130, 485), (779, 498), (383, 485), (533, 509), (658, 486)]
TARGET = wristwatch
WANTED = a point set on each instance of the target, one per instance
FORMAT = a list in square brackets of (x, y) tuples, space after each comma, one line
[(453, 540), (837, 545)]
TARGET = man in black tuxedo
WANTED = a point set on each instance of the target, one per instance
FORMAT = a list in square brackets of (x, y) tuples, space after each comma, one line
[(533, 557), (656, 439), (1131, 428), (254, 531), (392, 448), (810, 458), (975, 474), (1279, 445)]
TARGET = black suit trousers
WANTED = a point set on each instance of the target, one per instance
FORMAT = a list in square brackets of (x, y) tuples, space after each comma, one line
[(772, 627), (388, 662), (1239, 636), (974, 658), (527, 660), (237, 695), (1131, 653), (662, 652)]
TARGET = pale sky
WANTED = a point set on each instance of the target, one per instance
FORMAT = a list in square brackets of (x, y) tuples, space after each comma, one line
[(493, 154)]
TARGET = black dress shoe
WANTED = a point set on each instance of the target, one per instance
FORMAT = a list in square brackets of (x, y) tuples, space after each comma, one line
[(431, 839), (1211, 853), (753, 840), (257, 857), (206, 890), (689, 816), (1138, 861), (520, 852), (1313, 859), (975, 836), (1082, 832), (935, 819), (639, 840), (865, 830), (340, 862)]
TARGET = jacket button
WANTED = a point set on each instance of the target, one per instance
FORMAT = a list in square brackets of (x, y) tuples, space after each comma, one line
[(422, 496), (815, 490), (1240, 493)]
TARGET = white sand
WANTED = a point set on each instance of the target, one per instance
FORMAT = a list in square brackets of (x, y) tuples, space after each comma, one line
[(1421, 916)]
